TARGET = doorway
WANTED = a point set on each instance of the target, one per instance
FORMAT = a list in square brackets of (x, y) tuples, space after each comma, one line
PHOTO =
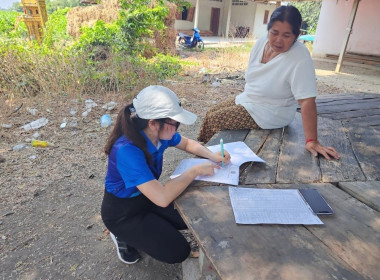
[(214, 24)]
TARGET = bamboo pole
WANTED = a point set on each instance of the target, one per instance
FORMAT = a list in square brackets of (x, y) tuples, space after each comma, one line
[(348, 33)]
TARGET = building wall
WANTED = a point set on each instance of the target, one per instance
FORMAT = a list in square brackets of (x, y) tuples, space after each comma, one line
[(260, 29), (332, 24), (204, 18), (251, 15), (241, 16)]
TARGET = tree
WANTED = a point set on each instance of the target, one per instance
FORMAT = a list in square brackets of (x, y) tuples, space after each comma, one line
[(54, 5), (310, 13), (16, 6)]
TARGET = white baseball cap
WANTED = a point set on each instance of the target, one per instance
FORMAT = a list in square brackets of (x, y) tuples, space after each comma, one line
[(158, 102)]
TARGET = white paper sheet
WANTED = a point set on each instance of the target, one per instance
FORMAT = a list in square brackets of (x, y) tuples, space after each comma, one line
[(271, 206), (239, 152), (228, 174)]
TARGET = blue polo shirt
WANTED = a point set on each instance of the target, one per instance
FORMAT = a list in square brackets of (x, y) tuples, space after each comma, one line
[(128, 168)]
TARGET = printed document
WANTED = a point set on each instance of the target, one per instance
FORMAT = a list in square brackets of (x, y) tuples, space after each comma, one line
[(229, 174), (239, 151), (271, 206)]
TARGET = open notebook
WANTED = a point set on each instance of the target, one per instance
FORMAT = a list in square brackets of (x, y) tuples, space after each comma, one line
[(229, 174)]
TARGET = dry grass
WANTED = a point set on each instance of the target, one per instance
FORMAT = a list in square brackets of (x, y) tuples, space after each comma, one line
[(54, 75), (219, 60), (165, 41), (107, 11)]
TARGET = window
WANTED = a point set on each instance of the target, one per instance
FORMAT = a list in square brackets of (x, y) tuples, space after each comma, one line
[(186, 14), (266, 15), (239, 3)]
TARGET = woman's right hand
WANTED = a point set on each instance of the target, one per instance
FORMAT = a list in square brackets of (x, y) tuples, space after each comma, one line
[(205, 169)]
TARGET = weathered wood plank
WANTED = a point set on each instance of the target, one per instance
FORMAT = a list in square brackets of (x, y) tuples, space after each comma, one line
[(256, 251), (228, 136), (357, 106), (339, 102), (346, 96), (351, 233), (265, 172), (330, 103), (364, 121), (256, 139), (296, 164), (366, 192), (332, 133), (351, 114), (366, 146)]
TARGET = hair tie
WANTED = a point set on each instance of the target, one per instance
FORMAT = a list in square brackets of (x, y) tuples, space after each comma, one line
[(132, 108)]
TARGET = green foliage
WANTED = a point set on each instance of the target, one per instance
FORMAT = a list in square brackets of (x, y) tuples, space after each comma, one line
[(165, 66), (131, 33), (181, 4), (105, 58), (101, 34), (310, 13), (139, 22), (55, 31), (7, 25), (16, 6), (55, 5)]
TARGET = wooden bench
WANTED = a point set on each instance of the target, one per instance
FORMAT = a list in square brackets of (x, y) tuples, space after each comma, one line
[(347, 246)]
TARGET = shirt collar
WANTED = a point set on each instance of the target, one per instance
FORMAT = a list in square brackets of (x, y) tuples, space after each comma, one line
[(151, 148)]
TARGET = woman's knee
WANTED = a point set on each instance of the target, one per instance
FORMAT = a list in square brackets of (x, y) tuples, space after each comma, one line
[(178, 256)]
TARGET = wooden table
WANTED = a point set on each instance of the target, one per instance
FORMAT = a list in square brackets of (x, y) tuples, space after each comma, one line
[(347, 246)]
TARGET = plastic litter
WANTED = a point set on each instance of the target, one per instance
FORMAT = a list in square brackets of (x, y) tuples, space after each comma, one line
[(31, 111), (19, 147), (36, 135), (110, 106), (73, 111), (6, 125), (216, 84), (36, 124), (105, 120), (85, 113), (202, 70), (39, 143), (64, 123), (90, 104), (73, 124)]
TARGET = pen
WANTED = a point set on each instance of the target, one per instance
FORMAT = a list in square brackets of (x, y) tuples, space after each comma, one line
[(222, 150)]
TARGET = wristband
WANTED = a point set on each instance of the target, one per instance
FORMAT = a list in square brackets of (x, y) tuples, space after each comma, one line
[(310, 140)]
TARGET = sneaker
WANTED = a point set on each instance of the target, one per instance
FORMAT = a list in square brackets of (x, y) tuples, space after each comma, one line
[(192, 243), (126, 254)]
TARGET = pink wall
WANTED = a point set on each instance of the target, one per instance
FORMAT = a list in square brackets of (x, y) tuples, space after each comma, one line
[(332, 24)]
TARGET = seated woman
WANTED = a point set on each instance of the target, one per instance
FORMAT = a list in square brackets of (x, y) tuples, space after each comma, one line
[(280, 73), (136, 207)]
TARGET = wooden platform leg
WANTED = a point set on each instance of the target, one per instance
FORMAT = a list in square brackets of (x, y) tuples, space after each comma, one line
[(208, 272)]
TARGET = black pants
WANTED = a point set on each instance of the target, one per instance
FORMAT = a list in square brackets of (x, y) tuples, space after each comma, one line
[(146, 226)]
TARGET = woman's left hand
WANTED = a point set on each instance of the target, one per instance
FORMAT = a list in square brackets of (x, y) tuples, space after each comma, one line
[(316, 148), (218, 157)]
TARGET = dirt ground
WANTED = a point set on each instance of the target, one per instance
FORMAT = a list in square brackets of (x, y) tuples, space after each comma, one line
[(50, 226)]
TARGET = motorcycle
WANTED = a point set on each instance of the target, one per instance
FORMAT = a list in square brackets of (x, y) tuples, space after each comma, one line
[(195, 41)]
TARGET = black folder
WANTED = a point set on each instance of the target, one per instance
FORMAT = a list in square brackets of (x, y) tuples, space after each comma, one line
[(316, 201)]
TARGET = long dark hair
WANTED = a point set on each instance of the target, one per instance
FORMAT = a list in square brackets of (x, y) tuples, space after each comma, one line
[(130, 127), (289, 14)]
